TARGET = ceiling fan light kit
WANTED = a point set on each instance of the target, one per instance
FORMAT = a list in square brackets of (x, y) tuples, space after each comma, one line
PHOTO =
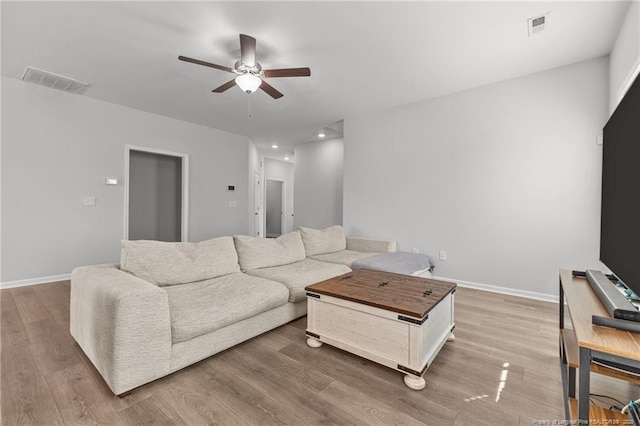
[(250, 72), (248, 82)]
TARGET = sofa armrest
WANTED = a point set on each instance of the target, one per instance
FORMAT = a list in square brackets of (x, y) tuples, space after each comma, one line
[(369, 245), (123, 325)]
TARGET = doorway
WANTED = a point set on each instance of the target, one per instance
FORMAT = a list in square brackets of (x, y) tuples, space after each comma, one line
[(274, 207), (155, 195)]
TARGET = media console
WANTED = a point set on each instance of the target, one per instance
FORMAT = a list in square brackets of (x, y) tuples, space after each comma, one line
[(586, 349)]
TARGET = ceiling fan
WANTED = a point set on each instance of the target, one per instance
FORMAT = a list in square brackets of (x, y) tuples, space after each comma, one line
[(250, 73)]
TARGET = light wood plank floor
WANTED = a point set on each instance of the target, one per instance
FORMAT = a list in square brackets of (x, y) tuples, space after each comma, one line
[(503, 369)]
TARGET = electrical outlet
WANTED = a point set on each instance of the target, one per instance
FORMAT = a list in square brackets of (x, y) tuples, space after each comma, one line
[(415, 250), (89, 201), (443, 255)]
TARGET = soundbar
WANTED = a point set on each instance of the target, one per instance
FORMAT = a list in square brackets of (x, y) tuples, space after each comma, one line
[(616, 323), (615, 302)]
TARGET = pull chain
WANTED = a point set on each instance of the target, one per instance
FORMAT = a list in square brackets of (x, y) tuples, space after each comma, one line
[(249, 113)]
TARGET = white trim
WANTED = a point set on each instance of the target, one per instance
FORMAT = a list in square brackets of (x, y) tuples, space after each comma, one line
[(635, 70), (184, 226), (34, 281), (283, 216), (257, 204), (503, 290)]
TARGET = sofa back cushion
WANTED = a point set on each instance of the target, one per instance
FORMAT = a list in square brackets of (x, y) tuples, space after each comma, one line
[(254, 253), (321, 241), (164, 263)]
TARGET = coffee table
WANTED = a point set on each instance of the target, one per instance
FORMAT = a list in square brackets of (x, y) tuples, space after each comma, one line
[(399, 321)]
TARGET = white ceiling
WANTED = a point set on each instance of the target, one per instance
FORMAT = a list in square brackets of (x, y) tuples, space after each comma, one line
[(364, 56)]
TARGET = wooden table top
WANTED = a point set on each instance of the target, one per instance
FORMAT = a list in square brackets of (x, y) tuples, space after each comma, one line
[(583, 303), (404, 294)]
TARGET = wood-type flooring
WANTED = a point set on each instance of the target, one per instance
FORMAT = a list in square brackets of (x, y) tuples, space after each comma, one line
[(503, 369)]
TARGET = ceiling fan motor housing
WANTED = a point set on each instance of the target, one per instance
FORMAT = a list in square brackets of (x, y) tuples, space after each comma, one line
[(240, 68)]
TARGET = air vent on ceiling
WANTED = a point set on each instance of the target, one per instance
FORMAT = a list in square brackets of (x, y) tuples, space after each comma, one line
[(537, 24), (55, 81)]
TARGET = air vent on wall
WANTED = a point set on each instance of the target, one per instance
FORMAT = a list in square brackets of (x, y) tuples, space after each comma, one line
[(55, 81), (537, 24)]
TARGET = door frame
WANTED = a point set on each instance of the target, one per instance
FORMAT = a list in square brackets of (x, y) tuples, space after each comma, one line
[(184, 212), (257, 207), (282, 205)]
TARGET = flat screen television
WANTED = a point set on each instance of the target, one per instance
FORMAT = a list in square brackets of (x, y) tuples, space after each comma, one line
[(620, 220)]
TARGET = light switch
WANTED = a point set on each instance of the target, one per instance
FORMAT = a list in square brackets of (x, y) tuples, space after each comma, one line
[(89, 201), (233, 204), (111, 181)]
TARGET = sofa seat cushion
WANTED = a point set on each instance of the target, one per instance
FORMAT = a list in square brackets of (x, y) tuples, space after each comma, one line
[(321, 241), (296, 276), (166, 263), (254, 252), (343, 257), (202, 307), (396, 262)]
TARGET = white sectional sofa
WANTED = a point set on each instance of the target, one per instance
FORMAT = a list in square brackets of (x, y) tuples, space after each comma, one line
[(169, 305)]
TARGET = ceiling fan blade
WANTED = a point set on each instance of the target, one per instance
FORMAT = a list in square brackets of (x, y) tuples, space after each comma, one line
[(228, 85), (271, 91), (248, 50), (206, 64), (288, 72)]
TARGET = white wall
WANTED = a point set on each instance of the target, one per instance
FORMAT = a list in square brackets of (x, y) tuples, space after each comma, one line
[(281, 170), (505, 178), (58, 147), (318, 176), (625, 56)]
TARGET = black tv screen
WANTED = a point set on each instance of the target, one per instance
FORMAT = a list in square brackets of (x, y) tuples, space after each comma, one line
[(620, 221)]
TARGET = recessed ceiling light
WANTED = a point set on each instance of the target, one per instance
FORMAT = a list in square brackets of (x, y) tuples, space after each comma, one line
[(274, 146), (286, 158), (321, 135)]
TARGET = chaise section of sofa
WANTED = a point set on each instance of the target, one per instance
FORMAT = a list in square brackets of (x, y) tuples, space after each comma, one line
[(331, 245)]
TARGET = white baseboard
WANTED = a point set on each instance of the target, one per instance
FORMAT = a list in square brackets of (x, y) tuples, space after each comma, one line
[(503, 290), (34, 281)]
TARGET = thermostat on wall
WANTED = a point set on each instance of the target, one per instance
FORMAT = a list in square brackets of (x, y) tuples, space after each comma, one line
[(231, 187)]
